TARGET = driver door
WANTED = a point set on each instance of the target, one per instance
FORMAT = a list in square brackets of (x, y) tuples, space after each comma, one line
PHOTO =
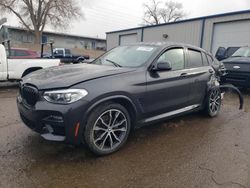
[(168, 90)]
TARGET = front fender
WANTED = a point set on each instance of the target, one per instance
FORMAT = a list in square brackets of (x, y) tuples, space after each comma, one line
[(236, 90), (112, 97)]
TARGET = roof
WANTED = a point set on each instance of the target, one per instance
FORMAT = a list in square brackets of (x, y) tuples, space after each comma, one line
[(186, 20), (165, 44), (56, 33)]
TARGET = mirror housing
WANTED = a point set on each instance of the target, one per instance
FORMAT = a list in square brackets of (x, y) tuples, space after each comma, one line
[(162, 66), (221, 53)]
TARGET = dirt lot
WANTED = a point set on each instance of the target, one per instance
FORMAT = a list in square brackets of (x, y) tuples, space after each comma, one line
[(191, 151)]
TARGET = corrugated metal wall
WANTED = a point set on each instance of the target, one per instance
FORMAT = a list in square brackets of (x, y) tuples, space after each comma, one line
[(198, 32), (209, 27), (187, 32), (113, 39)]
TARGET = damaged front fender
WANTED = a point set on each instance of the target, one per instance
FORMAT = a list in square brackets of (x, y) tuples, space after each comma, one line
[(230, 87), (214, 83)]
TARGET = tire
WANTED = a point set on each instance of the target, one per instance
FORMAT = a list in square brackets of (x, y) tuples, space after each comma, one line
[(80, 60), (213, 102), (107, 128)]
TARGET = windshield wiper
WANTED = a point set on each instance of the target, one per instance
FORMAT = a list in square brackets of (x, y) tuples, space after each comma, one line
[(114, 63), (238, 56)]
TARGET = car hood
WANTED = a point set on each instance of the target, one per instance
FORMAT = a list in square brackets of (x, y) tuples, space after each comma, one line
[(237, 64), (69, 75), (237, 60)]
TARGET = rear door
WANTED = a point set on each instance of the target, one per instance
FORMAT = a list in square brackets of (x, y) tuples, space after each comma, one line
[(168, 90), (199, 72)]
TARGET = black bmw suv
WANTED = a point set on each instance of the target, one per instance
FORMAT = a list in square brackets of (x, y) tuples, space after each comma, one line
[(129, 86), (238, 68)]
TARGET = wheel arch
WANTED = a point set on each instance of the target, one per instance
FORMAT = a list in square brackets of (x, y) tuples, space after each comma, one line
[(120, 99), (80, 58), (29, 70)]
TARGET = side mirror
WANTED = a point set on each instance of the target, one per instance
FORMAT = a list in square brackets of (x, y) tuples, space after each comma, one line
[(161, 66), (221, 53)]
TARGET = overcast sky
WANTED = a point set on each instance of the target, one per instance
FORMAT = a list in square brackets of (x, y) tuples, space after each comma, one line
[(108, 15)]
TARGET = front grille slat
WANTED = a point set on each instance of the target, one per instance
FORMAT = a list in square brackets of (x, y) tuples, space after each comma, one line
[(29, 94)]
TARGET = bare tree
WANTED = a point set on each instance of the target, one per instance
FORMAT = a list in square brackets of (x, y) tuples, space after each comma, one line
[(158, 12), (173, 11), (152, 13), (35, 15)]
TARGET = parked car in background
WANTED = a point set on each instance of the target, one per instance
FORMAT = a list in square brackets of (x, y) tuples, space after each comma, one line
[(15, 69), (46, 55), (224, 53), (21, 53), (238, 68), (67, 57), (101, 102)]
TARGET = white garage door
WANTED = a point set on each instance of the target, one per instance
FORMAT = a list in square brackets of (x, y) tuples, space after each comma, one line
[(128, 39), (231, 34)]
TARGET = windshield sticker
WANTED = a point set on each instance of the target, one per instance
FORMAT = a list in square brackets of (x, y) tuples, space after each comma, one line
[(145, 49)]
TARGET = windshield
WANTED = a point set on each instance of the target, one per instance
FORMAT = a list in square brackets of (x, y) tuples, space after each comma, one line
[(126, 56), (242, 52)]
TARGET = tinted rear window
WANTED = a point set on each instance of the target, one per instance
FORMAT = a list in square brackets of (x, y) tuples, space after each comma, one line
[(20, 53), (59, 52), (194, 59), (67, 52)]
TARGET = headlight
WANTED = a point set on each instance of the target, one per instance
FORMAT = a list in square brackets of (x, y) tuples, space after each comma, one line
[(66, 96)]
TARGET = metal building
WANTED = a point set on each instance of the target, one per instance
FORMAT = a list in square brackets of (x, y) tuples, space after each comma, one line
[(209, 32), (22, 37)]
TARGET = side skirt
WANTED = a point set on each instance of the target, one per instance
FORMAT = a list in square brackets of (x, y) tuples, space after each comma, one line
[(172, 113)]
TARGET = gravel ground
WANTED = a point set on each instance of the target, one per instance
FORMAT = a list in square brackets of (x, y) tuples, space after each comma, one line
[(189, 151)]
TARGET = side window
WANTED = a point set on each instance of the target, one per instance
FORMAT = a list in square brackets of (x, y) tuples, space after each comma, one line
[(12, 52), (175, 57), (59, 52), (210, 59), (204, 58), (21, 53), (194, 59), (67, 52)]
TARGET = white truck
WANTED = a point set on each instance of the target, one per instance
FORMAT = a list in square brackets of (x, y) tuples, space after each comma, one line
[(15, 69)]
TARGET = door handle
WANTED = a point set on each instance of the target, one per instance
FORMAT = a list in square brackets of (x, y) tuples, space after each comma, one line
[(184, 74)]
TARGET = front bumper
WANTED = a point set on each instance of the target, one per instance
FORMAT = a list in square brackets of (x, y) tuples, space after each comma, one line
[(54, 121)]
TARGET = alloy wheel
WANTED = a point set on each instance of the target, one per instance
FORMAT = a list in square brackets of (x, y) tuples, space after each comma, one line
[(109, 130), (215, 101)]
